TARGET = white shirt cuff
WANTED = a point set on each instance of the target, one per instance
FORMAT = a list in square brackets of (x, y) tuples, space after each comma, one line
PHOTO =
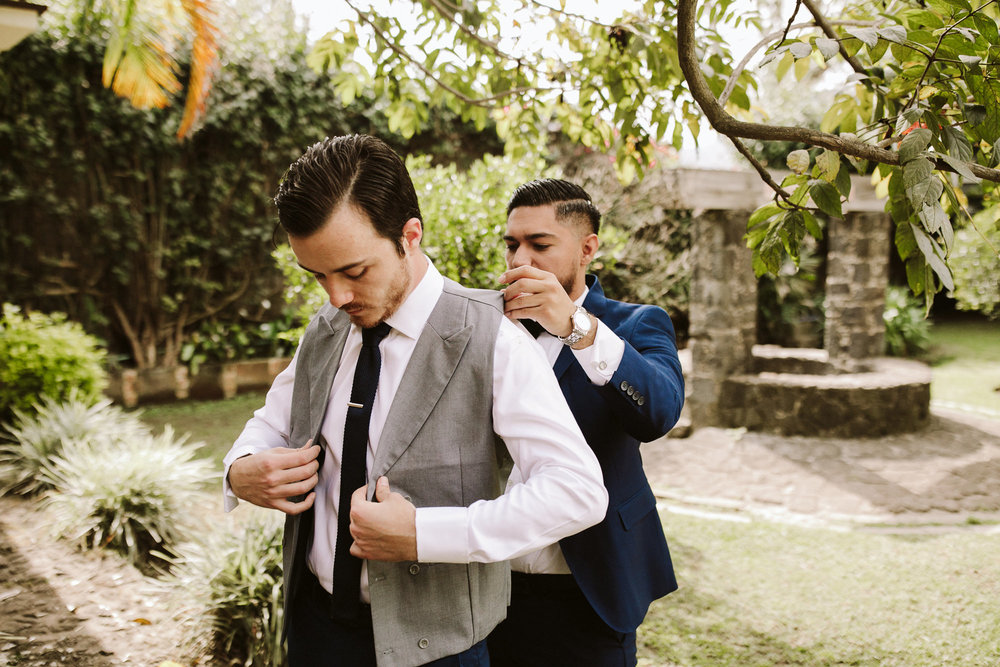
[(601, 359), (442, 534), (229, 499)]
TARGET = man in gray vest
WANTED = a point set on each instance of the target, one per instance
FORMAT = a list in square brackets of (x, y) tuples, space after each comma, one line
[(406, 393)]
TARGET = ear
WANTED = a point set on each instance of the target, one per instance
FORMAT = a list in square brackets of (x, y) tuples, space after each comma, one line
[(589, 245), (413, 232)]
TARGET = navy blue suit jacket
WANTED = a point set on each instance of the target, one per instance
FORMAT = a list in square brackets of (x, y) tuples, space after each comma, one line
[(622, 564)]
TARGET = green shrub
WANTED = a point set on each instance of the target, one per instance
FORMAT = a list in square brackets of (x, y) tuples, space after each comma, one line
[(46, 355), (37, 437), (127, 496), (231, 582), (975, 262), (464, 213), (907, 331)]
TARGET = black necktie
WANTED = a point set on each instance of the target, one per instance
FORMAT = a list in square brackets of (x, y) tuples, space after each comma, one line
[(533, 327), (347, 568)]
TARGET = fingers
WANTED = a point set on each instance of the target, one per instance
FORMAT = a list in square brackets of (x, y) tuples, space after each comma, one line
[(293, 508), (382, 490), (526, 271)]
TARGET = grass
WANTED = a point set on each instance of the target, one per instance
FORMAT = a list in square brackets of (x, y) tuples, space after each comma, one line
[(215, 424), (761, 594), (965, 363)]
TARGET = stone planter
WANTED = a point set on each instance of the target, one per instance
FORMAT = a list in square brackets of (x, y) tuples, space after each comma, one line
[(132, 387)]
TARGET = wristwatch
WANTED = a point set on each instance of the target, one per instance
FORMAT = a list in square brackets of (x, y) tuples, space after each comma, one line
[(582, 324)]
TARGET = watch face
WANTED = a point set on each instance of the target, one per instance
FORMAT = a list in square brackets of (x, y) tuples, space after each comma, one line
[(581, 321)]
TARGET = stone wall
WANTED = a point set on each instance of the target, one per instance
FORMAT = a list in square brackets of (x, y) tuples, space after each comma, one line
[(857, 276), (723, 309)]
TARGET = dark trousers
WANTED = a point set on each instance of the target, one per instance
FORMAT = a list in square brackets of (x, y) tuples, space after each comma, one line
[(550, 623), (316, 640)]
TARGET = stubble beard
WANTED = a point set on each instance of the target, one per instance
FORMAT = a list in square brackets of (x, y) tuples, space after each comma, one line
[(395, 294)]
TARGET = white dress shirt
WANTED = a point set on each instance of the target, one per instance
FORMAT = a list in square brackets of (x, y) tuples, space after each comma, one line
[(560, 492), (599, 361)]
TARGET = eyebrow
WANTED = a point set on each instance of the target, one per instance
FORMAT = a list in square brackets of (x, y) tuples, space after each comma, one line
[(530, 237), (346, 267)]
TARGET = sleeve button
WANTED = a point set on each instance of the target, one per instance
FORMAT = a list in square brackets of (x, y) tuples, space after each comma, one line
[(423, 643), (414, 568)]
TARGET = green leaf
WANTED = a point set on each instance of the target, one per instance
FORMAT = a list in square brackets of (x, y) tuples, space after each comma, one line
[(798, 161), (892, 33), (812, 225), (933, 217), (916, 273), (916, 171), (800, 50), (867, 35), (828, 163), (826, 198), (828, 47), (927, 191), (906, 244), (762, 214), (932, 255), (957, 144), (914, 143), (843, 182), (987, 28), (962, 168)]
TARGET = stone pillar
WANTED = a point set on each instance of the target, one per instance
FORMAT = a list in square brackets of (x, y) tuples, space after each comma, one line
[(723, 309), (856, 280)]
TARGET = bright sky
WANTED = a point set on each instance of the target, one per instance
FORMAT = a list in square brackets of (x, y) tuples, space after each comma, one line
[(323, 15)]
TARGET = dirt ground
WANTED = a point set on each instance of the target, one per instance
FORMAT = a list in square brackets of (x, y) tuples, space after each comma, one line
[(60, 606)]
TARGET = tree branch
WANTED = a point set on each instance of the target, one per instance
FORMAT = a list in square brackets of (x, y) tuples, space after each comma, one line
[(725, 124), (828, 30), (486, 102)]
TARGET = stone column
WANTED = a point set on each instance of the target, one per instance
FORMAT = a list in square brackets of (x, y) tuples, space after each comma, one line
[(723, 309), (856, 279)]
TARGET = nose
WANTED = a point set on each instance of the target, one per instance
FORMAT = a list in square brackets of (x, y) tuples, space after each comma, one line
[(339, 293), (520, 257)]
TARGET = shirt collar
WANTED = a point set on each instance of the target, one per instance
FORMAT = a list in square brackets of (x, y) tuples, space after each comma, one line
[(412, 314)]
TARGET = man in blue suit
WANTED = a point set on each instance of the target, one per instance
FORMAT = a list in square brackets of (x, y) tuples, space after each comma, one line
[(580, 601)]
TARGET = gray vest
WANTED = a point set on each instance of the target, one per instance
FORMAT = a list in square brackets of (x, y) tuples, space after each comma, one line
[(438, 449)]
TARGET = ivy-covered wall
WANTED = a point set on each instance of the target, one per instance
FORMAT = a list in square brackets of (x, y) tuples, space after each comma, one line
[(144, 239)]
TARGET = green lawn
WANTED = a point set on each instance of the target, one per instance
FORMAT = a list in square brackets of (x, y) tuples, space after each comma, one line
[(215, 424), (761, 594), (965, 363)]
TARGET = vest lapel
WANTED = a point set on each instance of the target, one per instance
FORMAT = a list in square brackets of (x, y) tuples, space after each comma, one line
[(435, 357), (329, 346)]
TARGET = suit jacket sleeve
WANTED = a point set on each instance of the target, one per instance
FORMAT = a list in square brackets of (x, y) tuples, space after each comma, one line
[(646, 392)]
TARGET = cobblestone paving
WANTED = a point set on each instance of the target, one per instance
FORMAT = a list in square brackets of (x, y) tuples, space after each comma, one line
[(943, 476)]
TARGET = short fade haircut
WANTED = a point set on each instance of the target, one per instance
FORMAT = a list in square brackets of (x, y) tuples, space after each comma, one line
[(571, 201), (356, 169)]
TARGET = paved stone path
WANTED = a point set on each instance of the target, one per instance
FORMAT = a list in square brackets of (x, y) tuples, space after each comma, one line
[(944, 476)]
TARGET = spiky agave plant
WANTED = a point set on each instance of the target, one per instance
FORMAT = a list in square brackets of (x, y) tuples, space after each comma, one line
[(34, 439), (230, 580), (128, 496)]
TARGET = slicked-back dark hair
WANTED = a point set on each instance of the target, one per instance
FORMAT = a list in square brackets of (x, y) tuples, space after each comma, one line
[(356, 169), (571, 201)]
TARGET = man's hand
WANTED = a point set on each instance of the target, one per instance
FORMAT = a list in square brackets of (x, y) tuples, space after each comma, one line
[(534, 294), (386, 529), (271, 477)]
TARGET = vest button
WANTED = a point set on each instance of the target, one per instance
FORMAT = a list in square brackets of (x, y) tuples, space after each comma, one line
[(423, 643), (414, 568)]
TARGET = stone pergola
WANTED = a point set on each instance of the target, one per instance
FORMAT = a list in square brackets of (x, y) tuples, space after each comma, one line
[(845, 389)]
